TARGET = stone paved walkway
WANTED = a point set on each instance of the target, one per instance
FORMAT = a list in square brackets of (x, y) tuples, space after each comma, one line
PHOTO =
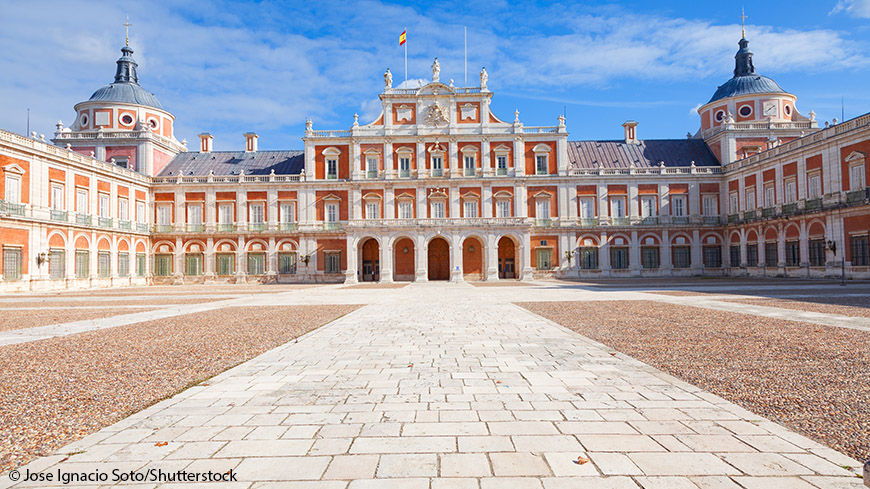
[(434, 388)]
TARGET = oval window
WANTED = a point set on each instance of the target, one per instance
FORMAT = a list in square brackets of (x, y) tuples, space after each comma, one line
[(127, 120), (720, 115), (787, 110), (84, 120), (746, 110), (153, 123)]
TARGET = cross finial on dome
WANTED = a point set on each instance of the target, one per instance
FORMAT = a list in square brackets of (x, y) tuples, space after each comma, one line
[(127, 25), (743, 22)]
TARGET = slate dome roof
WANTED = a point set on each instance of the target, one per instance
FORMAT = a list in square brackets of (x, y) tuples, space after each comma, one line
[(745, 80), (126, 88)]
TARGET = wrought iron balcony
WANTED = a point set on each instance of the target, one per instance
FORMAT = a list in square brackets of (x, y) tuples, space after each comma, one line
[(257, 227), (226, 228), (287, 226), (11, 209), (587, 222), (544, 223), (195, 228), (372, 174), (331, 226), (619, 221), (142, 227), (124, 225), (712, 220), (437, 172), (733, 218), (59, 215), (768, 212), (680, 220), (649, 221), (404, 173), (83, 219), (163, 228), (858, 196), (813, 204), (789, 209), (105, 222), (749, 215)]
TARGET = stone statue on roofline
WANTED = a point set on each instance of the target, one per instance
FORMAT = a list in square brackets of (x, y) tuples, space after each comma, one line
[(484, 77), (388, 79), (436, 71)]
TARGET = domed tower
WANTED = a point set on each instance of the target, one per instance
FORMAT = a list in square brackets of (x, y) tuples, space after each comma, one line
[(750, 113), (124, 123)]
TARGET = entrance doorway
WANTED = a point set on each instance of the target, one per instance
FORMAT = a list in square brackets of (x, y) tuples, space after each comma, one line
[(403, 270), (506, 258), (371, 265), (439, 259), (472, 259)]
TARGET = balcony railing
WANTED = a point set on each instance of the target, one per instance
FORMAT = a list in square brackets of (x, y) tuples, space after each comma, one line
[(469, 172), (789, 209), (587, 222), (749, 215), (439, 222), (287, 226), (124, 225), (404, 173), (83, 219), (226, 228), (194, 228), (768, 212), (680, 220), (437, 172), (105, 222), (733, 218), (619, 221), (331, 226), (712, 220), (501, 171), (544, 223), (372, 174), (163, 228), (858, 196), (649, 221), (58, 215), (12, 209), (813, 204), (142, 227), (257, 227), (331, 176)]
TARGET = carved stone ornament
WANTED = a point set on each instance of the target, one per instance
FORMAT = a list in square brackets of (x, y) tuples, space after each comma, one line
[(484, 77), (388, 79), (436, 115), (436, 71)]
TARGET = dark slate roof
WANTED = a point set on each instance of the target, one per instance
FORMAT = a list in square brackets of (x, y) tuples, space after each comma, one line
[(233, 162), (128, 93), (746, 85), (645, 154)]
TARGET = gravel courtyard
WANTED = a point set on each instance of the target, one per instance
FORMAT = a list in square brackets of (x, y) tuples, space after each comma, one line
[(445, 385)]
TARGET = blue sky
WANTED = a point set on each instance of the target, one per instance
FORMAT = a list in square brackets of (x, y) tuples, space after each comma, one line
[(232, 67)]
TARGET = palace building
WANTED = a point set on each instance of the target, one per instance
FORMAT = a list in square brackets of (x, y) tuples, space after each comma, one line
[(437, 187)]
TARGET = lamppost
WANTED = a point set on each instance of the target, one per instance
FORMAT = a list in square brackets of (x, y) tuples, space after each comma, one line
[(832, 245)]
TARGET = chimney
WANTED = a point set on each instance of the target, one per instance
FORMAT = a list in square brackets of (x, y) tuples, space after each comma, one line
[(205, 142), (630, 132), (250, 142)]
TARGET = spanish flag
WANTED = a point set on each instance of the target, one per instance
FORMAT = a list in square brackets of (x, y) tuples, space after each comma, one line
[(402, 37)]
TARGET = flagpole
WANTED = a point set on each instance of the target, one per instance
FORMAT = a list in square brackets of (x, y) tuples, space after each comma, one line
[(406, 54), (466, 55)]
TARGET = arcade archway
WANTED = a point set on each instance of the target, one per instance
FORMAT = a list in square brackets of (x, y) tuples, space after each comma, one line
[(439, 259)]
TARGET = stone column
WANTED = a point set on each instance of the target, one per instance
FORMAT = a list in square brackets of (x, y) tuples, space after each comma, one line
[(526, 254), (389, 203), (665, 255), (634, 255), (604, 255), (386, 272), (486, 158), (421, 261), (350, 275), (491, 258), (486, 202), (697, 256), (456, 258)]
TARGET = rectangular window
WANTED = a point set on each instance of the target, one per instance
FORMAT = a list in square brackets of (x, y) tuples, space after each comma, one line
[(769, 196), (792, 254), (470, 208), (256, 263), (541, 165), (589, 258), (104, 264), (860, 252), (140, 211), (258, 213), (501, 163), (164, 215), (286, 263), (57, 197), (734, 206), (404, 167), (856, 177), (649, 257), (709, 205), (193, 264), (469, 166), (225, 264), (288, 212), (331, 212), (437, 209), (82, 201), (543, 209), (122, 209), (617, 207), (752, 255), (678, 206), (104, 205), (771, 254), (13, 190), (140, 264), (713, 256), (790, 192), (225, 217), (83, 264), (750, 199), (162, 265), (333, 262), (503, 208), (437, 166), (11, 263), (194, 216), (543, 259), (734, 251), (619, 258), (123, 264), (331, 169), (814, 186), (56, 264), (372, 210), (648, 206), (587, 207), (372, 167), (405, 210), (817, 252), (682, 256)]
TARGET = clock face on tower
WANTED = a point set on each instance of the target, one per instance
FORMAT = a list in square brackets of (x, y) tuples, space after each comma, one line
[(769, 109)]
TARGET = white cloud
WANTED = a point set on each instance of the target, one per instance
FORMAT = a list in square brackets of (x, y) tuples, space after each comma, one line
[(855, 8)]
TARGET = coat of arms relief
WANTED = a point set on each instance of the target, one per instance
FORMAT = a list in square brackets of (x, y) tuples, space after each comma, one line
[(436, 115)]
